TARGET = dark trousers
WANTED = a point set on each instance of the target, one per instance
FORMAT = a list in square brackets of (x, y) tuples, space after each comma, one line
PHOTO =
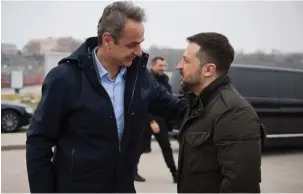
[(164, 142)]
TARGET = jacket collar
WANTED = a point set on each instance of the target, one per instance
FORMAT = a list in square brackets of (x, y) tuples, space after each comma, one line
[(84, 51), (101, 70), (207, 93)]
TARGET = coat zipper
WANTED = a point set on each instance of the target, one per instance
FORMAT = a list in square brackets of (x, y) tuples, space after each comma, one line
[(72, 159), (131, 100)]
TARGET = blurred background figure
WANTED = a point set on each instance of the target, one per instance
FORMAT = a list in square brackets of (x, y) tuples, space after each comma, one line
[(157, 126), (158, 71)]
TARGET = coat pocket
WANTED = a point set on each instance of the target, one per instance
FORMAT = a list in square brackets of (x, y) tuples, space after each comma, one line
[(91, 167), (195, 139), (200, 152)]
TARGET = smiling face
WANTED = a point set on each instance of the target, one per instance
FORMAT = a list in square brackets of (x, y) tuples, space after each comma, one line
[(128, 45)]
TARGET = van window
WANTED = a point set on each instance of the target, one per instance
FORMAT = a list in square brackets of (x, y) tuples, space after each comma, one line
[(290, 85), (254, 82)]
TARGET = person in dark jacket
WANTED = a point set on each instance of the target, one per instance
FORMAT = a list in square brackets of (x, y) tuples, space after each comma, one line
[(93, 107), (221, 134), (157, 125), (157, 71)]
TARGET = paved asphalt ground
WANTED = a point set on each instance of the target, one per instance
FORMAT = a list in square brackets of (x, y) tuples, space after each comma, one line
[(282, 171)]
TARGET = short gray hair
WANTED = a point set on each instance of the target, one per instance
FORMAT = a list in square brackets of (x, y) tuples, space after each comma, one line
[(115, 16)]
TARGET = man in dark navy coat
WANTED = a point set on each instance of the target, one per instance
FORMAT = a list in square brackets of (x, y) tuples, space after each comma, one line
[(93, 107)]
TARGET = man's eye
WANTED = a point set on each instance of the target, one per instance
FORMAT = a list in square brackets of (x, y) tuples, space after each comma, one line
[(131, 46)]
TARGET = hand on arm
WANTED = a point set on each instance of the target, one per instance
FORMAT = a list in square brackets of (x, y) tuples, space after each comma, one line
[(164, 104)]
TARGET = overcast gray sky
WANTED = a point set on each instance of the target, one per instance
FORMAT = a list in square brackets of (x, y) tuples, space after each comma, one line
[(248, 25)]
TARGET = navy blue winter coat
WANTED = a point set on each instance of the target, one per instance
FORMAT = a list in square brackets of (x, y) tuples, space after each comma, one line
[(75, 115)]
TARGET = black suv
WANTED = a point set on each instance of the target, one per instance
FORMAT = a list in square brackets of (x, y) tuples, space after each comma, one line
[(275, 93), (14, 115)]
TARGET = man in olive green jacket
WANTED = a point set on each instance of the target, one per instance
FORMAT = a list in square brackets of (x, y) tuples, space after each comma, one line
[(221, 134)]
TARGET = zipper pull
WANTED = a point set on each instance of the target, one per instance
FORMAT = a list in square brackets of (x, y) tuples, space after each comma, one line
[(72, 160)]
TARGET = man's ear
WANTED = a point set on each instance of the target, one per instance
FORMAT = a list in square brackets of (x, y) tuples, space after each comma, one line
[(210, 69), (107, 39)]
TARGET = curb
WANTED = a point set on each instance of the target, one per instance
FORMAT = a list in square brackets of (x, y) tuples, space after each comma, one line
[(12, 147)]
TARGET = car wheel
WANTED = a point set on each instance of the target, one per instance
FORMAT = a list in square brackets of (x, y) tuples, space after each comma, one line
[(9, 121)]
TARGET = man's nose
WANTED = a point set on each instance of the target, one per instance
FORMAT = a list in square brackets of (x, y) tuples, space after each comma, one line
[(138, 51), (179, 66)]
